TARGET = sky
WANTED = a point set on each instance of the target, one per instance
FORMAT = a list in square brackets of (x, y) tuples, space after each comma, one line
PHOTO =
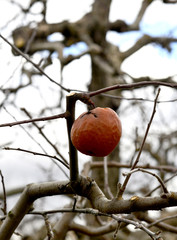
[(162, 24), (155, 24)]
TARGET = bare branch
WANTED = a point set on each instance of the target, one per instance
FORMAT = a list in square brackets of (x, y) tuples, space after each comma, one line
[(162, 220), (107, 228), (132, 86), (97, 231), (62, 115)]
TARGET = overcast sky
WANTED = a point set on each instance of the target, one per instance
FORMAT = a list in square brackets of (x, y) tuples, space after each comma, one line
[(160, 19)]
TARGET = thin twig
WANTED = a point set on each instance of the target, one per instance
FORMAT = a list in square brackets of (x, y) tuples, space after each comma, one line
[(38, 154), (161, 220), (11, 124), (153, 174), (132, 86), (98, 213), (165, 181), (122, 188)]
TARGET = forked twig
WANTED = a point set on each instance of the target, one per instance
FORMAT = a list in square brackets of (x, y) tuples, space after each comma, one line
[(154, 236), (119, 219), (151, 173), (165, 181)]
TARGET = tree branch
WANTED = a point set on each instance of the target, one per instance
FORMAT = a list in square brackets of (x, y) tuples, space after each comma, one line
[(70, 106)]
